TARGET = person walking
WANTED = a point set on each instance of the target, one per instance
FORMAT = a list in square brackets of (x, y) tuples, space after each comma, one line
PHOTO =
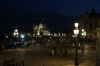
[(54, 49), (65, 52), (53, 53), (60, 52)]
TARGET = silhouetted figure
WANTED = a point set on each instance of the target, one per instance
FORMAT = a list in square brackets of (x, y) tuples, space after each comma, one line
[(60, 52), (61, 49), (54, 49), (53, 53), (65, 52)]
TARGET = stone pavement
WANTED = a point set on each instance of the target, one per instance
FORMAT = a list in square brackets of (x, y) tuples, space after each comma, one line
[(41, 55)]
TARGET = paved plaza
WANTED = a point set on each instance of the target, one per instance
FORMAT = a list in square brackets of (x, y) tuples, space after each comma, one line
[(38, 55)]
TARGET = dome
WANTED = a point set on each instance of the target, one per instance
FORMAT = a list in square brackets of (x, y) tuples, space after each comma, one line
[(41, 26)]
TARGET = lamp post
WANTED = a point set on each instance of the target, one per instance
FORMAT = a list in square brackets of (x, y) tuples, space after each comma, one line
[(76, 32), (83, 36), (15, 34)]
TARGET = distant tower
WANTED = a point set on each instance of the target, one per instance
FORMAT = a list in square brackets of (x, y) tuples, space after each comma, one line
[(93, 10)]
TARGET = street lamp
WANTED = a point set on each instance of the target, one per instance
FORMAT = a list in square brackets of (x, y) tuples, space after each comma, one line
[(15, 34), (76, 32), (83, 36)]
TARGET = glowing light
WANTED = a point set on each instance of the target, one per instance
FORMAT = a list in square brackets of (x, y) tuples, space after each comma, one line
[(76, 25), (16, 30), (22, 36), (28, 34), (6, 36), (76, 31)]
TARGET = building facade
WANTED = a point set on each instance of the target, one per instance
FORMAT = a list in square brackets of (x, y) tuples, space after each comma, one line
[(89, 22), (41, 29)]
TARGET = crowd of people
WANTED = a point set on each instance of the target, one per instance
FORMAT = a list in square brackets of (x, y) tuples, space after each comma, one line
[(43, 41), (60, 53)]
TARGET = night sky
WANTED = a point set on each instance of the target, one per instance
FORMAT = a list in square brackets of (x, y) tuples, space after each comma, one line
[(61, 7)]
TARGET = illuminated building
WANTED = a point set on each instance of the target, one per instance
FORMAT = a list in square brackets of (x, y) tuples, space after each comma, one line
[(40, 29), (89, 22)]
